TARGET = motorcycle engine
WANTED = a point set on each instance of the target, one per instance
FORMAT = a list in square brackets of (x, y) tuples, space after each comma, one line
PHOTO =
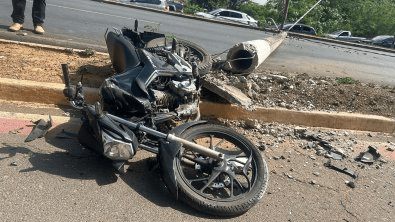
[(180, 96)]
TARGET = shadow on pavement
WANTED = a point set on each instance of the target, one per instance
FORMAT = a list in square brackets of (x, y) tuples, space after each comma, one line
[(75, 162)]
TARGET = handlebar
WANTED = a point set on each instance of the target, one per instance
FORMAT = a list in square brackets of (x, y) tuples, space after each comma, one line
[(75, 95), (66, 74)]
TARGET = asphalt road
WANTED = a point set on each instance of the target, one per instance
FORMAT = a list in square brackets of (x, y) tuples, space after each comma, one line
[(55, 179), (82, 23)]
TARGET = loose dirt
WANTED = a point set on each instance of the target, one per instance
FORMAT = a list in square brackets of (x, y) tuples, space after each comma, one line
[(44, 65), (297, 91)]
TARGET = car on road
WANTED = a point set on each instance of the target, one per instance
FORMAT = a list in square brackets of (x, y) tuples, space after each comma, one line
[(382, 40), (300, 28), (176, 6), (157, 4), (229, 15), (345, 36)]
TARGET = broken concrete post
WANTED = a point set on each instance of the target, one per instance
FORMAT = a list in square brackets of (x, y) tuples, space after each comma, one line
[(245, 57)]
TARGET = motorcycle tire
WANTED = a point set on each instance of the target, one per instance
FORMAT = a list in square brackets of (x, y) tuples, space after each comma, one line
[(222, 188), (204, 63)]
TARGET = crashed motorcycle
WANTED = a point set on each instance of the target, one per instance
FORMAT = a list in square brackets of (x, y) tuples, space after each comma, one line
[(209, 167)]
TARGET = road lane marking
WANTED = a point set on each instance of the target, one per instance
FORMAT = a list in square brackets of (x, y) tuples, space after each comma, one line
[(93, 12)]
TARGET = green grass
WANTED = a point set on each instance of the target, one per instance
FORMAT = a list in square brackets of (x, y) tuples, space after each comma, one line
[(170, 37), (347, 80), (385, 86)]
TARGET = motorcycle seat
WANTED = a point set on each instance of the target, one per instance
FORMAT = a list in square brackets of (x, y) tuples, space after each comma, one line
[(122, 52)]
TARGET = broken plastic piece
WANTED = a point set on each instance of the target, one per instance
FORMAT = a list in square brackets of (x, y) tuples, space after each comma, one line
[(335, 156), (40, 129), (369, 156), (341, 169)]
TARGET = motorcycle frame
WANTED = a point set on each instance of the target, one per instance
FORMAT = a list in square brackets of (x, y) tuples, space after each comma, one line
[(78, 102)]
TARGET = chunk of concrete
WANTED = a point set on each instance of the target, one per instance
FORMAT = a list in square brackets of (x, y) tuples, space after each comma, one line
[(229, 93)]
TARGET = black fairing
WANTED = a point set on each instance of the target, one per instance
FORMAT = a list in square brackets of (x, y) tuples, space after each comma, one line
[(122, 53), (140, 39), (128, 92), (90, 134)]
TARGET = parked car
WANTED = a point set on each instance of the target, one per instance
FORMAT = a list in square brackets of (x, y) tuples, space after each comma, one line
[(300, 28), (382, 40), (158, 4), (176, 6), (230, 15), (345, 36)]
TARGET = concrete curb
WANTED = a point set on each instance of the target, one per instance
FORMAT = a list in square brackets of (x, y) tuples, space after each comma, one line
[(52, 93), (39, 92), (299, 35), (349, 121), (49, 47)]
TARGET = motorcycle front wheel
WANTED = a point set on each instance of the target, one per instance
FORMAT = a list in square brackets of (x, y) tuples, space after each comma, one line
[(225, 188)]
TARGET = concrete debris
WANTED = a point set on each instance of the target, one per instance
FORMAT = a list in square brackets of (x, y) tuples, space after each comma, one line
[(252, 124), (278, 78), (322, 147), (262, 147), (228, 92), (335, 156), (350, 184)]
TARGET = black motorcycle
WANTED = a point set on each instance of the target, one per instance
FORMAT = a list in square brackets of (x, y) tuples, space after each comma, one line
[(209, 167)]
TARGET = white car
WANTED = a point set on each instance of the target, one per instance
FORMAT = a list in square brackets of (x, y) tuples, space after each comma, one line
[(230, 15), (157, 4)]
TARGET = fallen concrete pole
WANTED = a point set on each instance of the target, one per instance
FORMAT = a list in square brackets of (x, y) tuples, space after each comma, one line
[(245, 57)]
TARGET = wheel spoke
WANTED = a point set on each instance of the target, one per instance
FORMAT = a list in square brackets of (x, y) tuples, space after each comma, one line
[(231, 186), (211, 179), (219, 143), (193, 153), (247, 165), (197, 180), (211, 142), (243, 188)]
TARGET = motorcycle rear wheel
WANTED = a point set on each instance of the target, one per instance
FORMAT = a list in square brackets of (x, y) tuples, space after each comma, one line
[(223, 188), (204, 59)]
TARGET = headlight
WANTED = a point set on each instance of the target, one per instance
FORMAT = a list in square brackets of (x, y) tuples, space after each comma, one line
[(116, 149)]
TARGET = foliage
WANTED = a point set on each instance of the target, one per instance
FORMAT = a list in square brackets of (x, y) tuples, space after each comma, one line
[(192, 7), (258, 12), (362, 17), (346, 80)]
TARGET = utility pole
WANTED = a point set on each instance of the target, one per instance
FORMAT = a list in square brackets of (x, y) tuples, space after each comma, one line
[(285, 14)]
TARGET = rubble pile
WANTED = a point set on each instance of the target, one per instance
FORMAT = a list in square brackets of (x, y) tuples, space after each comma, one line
[(303, 92)]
